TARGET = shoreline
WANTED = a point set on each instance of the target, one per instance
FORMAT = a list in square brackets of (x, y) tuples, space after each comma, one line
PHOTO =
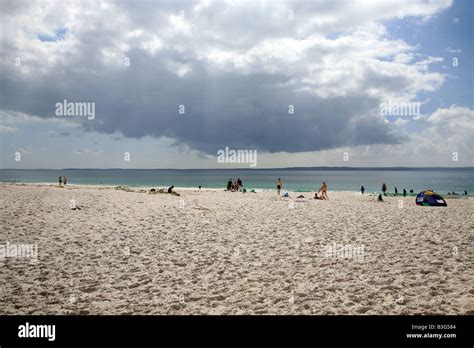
[(137, 189)]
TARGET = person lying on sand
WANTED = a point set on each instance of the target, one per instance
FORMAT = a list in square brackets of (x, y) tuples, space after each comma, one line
[(169, 190), (172, 192)]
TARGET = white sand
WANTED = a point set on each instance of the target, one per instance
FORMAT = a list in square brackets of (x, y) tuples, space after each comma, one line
[(216, 252)]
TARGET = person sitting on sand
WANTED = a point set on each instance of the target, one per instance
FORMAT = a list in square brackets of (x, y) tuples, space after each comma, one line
[(317, 196), (239, 184), (170, 189), (279, 185), (465, 193), (324, 191), (229, 185), (379, 198)]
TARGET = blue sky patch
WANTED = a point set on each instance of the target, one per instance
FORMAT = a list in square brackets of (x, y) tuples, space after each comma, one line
[(59, 34)]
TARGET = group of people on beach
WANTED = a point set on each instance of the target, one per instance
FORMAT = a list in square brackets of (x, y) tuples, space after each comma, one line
[(456, 194), (234, 186), (62, 180), (384, 190), (321, 194)]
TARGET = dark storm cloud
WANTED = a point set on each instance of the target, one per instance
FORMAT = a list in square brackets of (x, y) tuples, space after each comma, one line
[(221, 109), (224, 106)]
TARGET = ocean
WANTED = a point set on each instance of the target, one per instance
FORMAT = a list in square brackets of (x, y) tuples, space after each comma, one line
[(442, 180)]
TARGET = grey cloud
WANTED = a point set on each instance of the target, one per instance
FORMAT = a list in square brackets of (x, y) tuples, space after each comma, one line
[(223, 108)]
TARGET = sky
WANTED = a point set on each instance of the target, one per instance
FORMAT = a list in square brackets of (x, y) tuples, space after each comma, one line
[(301, 83)]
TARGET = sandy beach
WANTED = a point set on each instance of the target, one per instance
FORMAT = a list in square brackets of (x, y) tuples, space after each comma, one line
[(217, 252)]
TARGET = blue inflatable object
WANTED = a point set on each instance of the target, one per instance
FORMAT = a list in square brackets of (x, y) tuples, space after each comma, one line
[(430, 198)]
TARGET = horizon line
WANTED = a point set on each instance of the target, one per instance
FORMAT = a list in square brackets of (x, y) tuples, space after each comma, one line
[(270, 168)]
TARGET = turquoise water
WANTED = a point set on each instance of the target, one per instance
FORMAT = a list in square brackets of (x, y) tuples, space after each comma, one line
[(440, 180)]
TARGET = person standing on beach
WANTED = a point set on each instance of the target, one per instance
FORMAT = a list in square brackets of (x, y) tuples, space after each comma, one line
[(396, 191), (324, 191), (65, 181), (279, 185), (60, 181), (404, 193), (362, 189), (384, 189)]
